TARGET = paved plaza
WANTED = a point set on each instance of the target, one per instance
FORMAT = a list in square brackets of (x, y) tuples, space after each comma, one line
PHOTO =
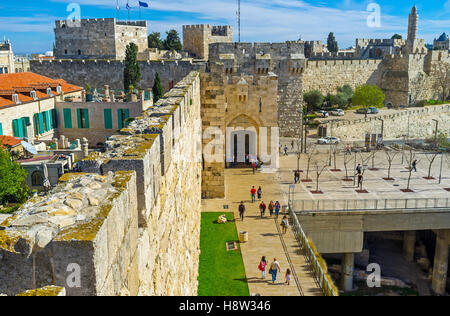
[(265, 237)]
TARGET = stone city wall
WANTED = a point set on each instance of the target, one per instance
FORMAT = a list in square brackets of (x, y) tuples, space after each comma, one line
[(110, 72), (420, 122), (327, 75), (143, 236), (88, 224)]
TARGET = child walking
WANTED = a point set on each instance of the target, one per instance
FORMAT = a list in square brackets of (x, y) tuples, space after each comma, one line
[(288, 277)]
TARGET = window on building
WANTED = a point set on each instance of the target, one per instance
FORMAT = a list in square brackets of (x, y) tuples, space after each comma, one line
[(83, 118), (37, 179), (1, 129), (122, 115), (108, 118), (67, 118), (65, 51), (79, 52)]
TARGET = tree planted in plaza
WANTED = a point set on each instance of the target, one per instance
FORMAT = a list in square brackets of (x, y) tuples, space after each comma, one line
[(319, 168), (157, 89), (390, 156), (132, 71), (154, 41), (313, 99), (332, 44), (431, 157), (309, 157), (410, 158), (12, 180), (172, 41), (347, 159), (368, 96)]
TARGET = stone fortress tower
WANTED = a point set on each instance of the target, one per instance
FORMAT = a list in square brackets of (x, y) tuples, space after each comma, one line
[(99, 38), (197, 38)]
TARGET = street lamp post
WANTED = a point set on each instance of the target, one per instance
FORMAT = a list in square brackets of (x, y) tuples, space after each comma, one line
[(436, 130), (382, 127)]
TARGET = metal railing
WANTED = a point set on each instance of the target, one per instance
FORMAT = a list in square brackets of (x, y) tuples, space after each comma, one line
[(319, 274), (371, 205)]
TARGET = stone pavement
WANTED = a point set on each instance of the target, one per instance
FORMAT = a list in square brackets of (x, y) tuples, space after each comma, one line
[(264, 235)]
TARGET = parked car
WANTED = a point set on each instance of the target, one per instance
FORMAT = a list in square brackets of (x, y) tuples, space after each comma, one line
[(338, 112), (322, 113), (329, 140), (371, 110)]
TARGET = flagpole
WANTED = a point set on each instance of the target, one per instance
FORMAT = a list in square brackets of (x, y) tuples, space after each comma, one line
[(128, 7), (140, 17), (118, 8)]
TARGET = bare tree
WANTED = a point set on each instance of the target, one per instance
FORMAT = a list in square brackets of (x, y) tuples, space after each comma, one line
[(410, 158), (431, 157), (364, 162), (309, 157), (442, 75), (347, 160), (334, 152), (372, 155), (319, 168), (390, 156)]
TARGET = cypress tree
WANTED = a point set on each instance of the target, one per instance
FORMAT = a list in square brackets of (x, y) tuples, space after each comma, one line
[(332, 44), (132, 72), (157, 89)]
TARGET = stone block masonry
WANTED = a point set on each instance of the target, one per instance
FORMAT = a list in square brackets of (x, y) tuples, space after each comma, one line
[(88, 224), (110, 72), (132, 222), (420, 120)]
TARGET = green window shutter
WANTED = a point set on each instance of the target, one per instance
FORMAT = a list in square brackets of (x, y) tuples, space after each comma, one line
[(15, 124), (108, 118), (86, 118), (67, 118), (55, 118), (36, 124), (41, 123), (50, 118), (127, 115), (47, 121), (26, 122), (120, 118), (20, 123), (1, 129), (79, 117)]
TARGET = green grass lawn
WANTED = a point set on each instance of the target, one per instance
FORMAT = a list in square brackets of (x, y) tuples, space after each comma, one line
[(221, 272)]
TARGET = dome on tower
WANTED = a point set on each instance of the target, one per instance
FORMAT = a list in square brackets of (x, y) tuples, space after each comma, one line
[(443, 38)]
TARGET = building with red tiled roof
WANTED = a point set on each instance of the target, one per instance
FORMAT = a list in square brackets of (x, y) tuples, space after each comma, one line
[(28, 104)]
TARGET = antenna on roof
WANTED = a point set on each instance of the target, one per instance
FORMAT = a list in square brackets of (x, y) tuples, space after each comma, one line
[(239, 20)]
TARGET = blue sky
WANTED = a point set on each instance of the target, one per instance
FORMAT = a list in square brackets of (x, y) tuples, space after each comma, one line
[(29, 23)]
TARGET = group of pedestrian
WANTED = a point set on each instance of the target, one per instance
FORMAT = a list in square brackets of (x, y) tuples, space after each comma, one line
[(254, 193), (274, 269)]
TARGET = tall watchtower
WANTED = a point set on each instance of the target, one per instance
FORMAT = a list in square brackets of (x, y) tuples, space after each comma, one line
[(413, 25)]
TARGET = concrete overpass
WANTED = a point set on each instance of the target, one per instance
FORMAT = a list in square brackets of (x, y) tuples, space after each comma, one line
[(338, 226)]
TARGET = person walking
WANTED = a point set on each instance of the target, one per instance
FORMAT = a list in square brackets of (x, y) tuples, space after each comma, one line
[(253, 194), (360, 179), (292, 145), (262, 208), (286, 150), (285, 225), (414, 165), (263, 267), (277, 209), (241, 210), (274, 269), (288, 277), (254, 167), (349, 149), (359, 169), (259, 193), (296, 176), (271, 208)]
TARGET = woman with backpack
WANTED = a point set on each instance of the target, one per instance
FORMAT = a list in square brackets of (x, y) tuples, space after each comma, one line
[(271, 208), (263, 267), (285, 224), (259, 192)]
